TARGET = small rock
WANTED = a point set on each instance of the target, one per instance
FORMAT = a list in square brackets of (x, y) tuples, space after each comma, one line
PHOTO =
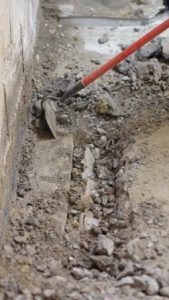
[(86, 200), (87, 220), (101, 131), (8, 249), (55, 280), (103, 139), (79, 76), (38, 297), (31, 221), (105, 200), (19, 297), (21, 192), (41, 268), (96, 273), (31, 250), (97, 213), (126, 78), (88, 164), (140, 295), (104, 39), (63, 119), (165, 48), (152, 288), (115, 163), (80, 105), (84, 245), (135, 249), (165, 291), (123, 67), (103, 172), (129, 270), (54, 266), (52, 31), (145, 70), (96, 153), (160, 249), (96, 61), (125, 281), (101, 262), (80, 273), (147, 284), (83, 93), (21, 239), (104, 246), (104, 230), (106, 105), (74, 295), (49, 294), (96, 230), (36, 291), (27, 294), (150, 50)]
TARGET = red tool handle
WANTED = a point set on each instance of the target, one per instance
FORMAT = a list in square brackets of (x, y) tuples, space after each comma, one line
[(124, 54)]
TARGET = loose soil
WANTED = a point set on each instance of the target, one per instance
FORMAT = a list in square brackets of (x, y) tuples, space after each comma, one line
[(90, 215)]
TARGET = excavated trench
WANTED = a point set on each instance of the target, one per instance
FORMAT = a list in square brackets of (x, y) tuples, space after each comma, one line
[(89, 220), (111, 21)]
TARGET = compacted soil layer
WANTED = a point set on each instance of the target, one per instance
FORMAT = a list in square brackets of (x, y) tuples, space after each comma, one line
[(90, 216)]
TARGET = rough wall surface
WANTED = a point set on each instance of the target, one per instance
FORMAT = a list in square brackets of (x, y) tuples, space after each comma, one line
[(18, 21)]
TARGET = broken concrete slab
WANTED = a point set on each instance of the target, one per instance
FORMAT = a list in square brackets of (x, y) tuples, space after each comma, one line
[(53, 164), (88, 164), (52, 173)]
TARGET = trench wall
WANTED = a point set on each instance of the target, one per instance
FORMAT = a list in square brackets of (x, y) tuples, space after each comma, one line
[(18, 28)]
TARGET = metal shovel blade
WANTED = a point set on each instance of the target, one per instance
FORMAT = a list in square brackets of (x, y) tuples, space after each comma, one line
[(50, 110)]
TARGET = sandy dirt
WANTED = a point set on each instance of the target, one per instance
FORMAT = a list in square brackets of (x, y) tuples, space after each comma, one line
[(90, 216)]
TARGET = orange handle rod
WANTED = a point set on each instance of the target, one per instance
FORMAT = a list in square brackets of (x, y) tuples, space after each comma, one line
[(124, 54)]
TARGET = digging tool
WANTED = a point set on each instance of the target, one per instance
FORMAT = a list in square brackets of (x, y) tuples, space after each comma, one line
[(116, 60), (50, 113)]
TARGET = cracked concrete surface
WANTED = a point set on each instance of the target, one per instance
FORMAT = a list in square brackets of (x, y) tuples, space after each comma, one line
[(88, 221)]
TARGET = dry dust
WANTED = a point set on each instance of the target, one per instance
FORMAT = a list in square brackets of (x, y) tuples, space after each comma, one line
[(89, 218), (151, 173)]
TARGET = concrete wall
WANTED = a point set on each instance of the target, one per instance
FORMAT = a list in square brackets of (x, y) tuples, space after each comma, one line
[(18, 19)]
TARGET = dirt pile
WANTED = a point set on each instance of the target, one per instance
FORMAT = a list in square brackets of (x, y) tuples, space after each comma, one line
[(78, 229)]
